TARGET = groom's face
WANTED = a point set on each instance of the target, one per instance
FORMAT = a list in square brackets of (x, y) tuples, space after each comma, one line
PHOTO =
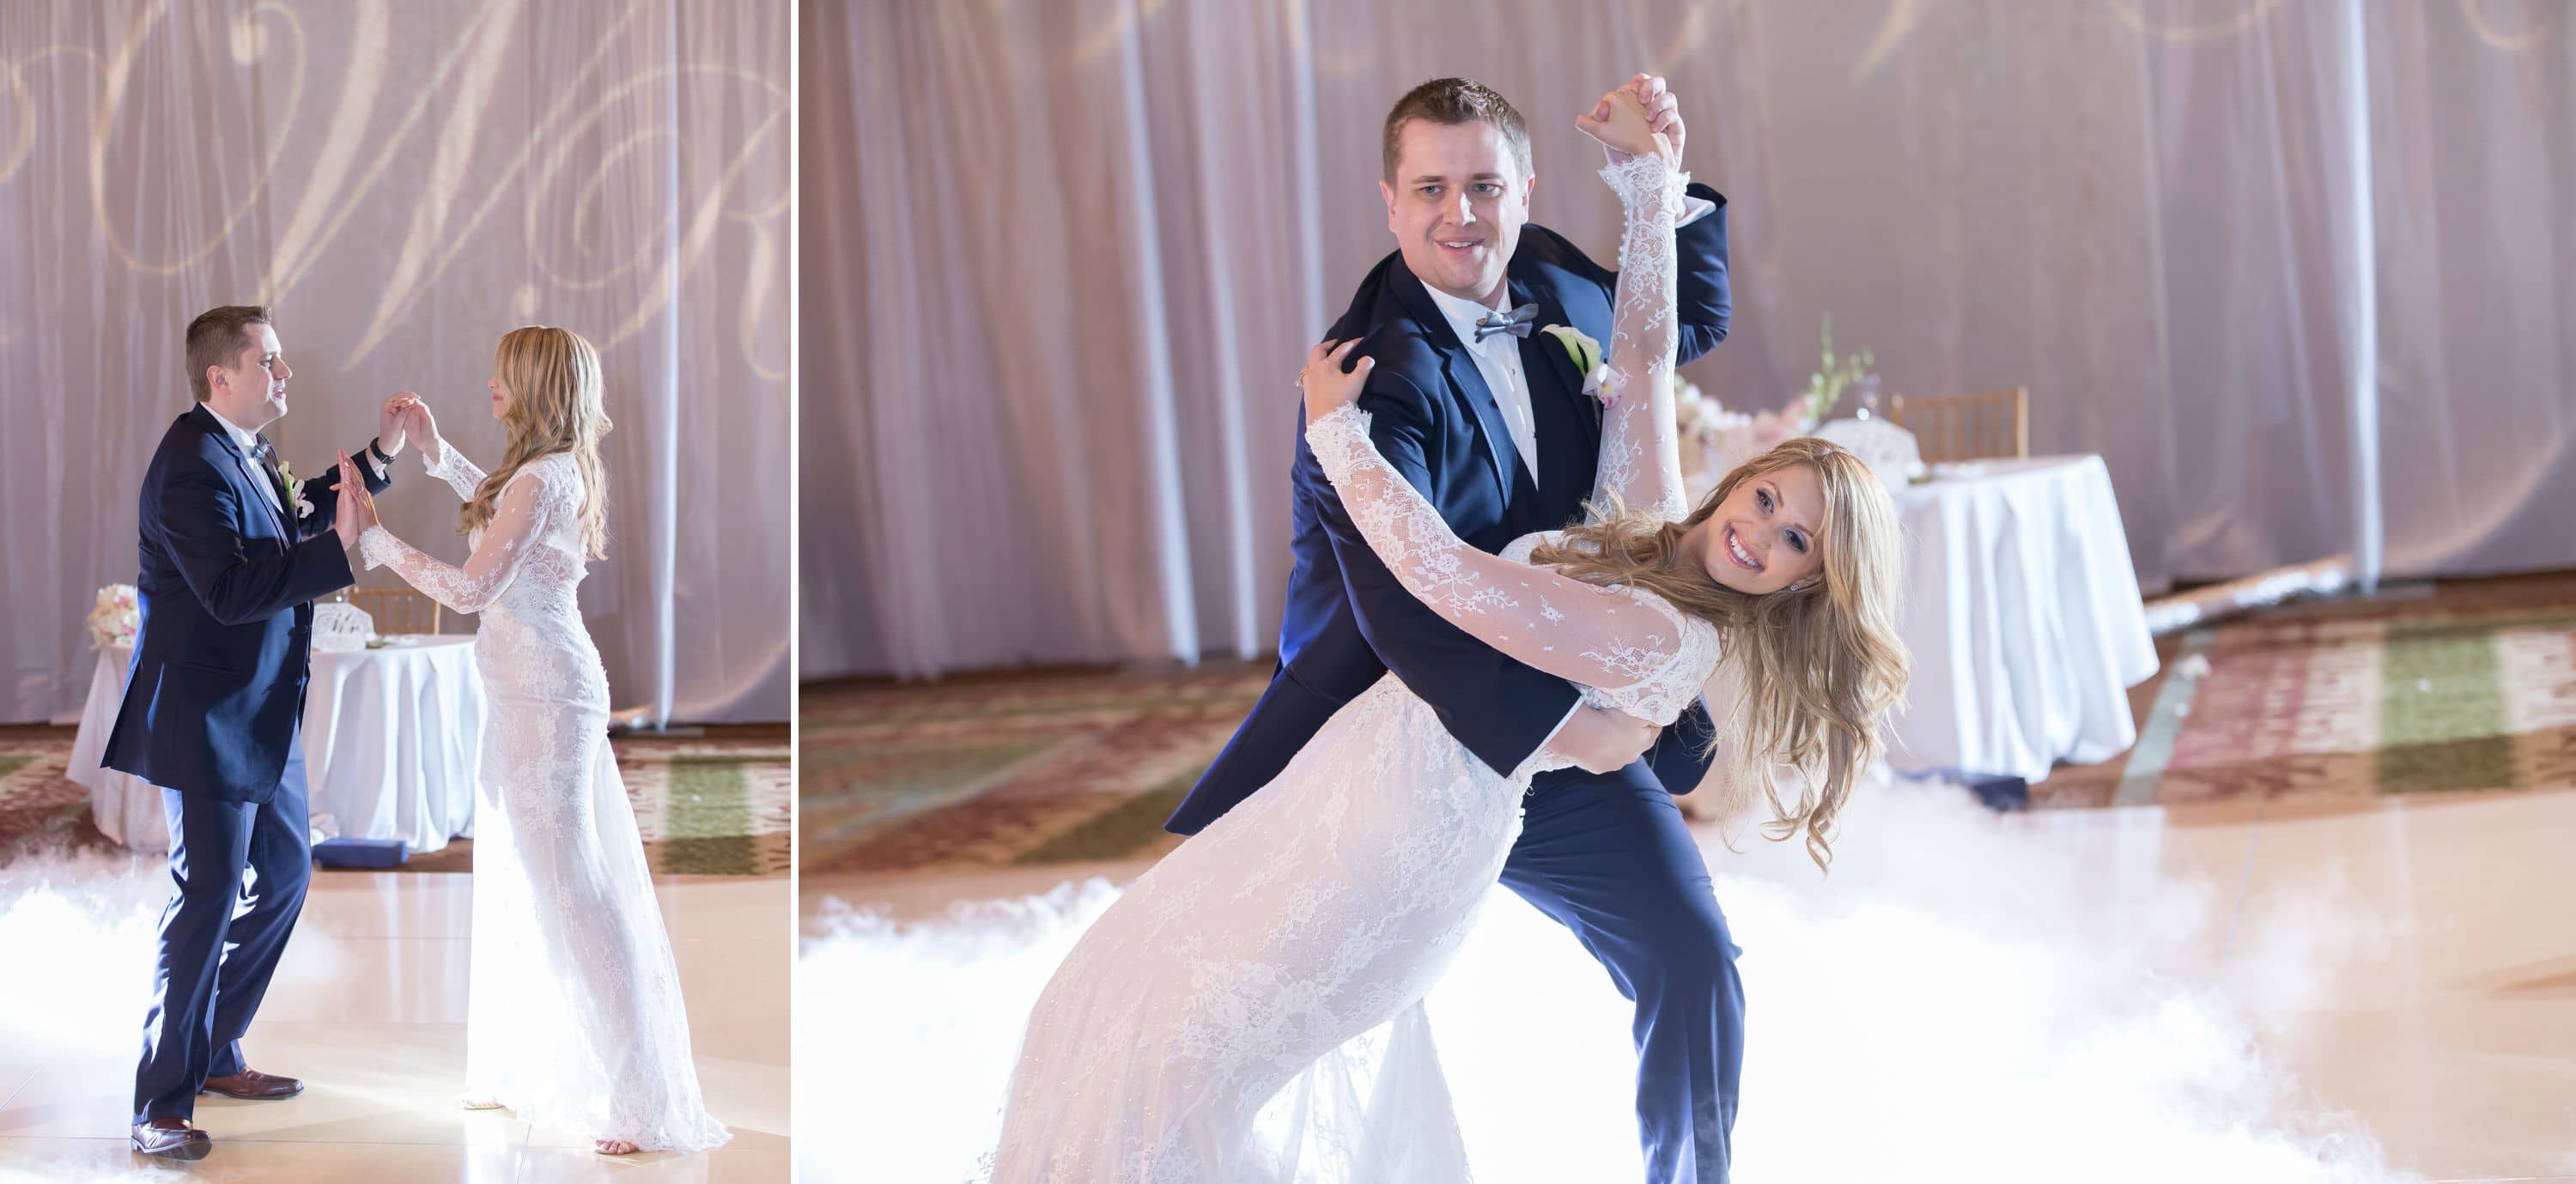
[(1456, 205), (252, 391)]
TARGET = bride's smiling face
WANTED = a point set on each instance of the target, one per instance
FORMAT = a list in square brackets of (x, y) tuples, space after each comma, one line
[(500, 394), (1762, 538)]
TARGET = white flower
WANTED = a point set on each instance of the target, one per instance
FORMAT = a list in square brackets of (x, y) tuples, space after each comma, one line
[(294, 490), (1586, 354)]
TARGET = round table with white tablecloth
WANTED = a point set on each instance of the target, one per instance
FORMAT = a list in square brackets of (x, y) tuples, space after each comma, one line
[(391, 738), (2024, 616)]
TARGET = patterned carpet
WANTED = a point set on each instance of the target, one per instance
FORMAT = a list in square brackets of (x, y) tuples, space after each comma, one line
[(992, 769), (2464, 687), (2468, 686), (704, 807)]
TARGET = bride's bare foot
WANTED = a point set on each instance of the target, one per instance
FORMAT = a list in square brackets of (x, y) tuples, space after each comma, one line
[(613, 1146), (474, 1103)]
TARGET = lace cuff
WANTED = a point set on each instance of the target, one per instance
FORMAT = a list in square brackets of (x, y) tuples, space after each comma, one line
[(1337, 440), (460, 474), (379, 547)]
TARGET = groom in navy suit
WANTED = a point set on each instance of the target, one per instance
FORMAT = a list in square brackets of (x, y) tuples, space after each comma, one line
[(1486, 416), (234, 553)]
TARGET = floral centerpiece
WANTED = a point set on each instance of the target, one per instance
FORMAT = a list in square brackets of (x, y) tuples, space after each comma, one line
[(116, 616), (1716, 440), (1833, 376)]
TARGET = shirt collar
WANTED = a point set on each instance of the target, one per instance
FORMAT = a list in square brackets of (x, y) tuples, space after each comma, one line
[(1463, 314), (243, 438)]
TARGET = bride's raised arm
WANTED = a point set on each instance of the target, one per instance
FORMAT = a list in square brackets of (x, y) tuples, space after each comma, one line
[(443, 461), (1640, 445), (449, 465), (526, 506)]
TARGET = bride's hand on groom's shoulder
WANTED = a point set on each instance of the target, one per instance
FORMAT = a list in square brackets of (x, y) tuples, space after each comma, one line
[(1328, 387)]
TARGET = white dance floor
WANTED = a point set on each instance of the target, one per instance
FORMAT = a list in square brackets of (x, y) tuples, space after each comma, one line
[(368, 1007), (2356, 991)]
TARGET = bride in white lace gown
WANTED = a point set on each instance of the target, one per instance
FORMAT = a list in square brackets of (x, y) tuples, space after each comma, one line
[(574, 1014), (1254, 957)]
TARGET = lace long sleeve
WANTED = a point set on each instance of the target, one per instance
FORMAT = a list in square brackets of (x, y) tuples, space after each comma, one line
[(1641, 458), (461, 475), (1601, 638), (517, 523)]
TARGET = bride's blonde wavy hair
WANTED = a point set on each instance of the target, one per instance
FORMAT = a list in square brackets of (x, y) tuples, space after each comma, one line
[(558, 403), (1822, 666)]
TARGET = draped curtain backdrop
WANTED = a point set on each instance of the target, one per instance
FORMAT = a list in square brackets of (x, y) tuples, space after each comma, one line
[(2298, 269), (402, 183)]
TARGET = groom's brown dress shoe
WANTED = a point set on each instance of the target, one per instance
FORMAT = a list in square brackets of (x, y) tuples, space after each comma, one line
[(253, 1085), (172, 1138)]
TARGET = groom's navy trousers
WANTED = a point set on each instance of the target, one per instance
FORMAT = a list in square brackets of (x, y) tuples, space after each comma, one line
[(1607, 856), (211, 715), (203, 993)]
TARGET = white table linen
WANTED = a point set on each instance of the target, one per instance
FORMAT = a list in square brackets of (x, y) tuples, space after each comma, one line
[(390, 745), (2023, 612)]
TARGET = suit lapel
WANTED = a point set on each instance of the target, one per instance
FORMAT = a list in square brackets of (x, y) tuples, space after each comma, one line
[(1466, 382), (1551, 372), (248, 473), (261, 490), (276, 487), (1568, 421)]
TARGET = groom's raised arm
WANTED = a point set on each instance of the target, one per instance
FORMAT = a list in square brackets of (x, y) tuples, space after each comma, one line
[(1703, 301), (324, 491), (1500, 709)]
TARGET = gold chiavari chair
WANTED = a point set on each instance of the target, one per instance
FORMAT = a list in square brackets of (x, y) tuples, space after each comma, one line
[(1981, 426), (397, 610)]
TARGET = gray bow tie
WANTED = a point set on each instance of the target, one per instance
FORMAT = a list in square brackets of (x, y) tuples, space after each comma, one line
[(1517, 322)]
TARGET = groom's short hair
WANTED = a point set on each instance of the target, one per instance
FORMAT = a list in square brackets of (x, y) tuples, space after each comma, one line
[(1455, 101), (216, 338)]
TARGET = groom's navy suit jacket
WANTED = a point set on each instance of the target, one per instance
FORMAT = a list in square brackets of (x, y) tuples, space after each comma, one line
[(226, 594), (1348, 619)]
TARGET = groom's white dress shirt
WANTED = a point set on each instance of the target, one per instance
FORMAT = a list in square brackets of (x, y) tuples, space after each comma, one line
[(245, 439)]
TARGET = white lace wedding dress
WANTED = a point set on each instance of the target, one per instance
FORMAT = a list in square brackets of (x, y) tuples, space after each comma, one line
[(1217, 1023), (573, 1011)]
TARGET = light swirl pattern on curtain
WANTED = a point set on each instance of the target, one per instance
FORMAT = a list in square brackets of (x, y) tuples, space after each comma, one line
[(402, 183), (248, 44), (2475, 11), (1049, 310)]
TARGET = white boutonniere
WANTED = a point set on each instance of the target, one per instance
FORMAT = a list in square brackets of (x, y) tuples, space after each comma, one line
[(294, 490), (1586, 354)]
